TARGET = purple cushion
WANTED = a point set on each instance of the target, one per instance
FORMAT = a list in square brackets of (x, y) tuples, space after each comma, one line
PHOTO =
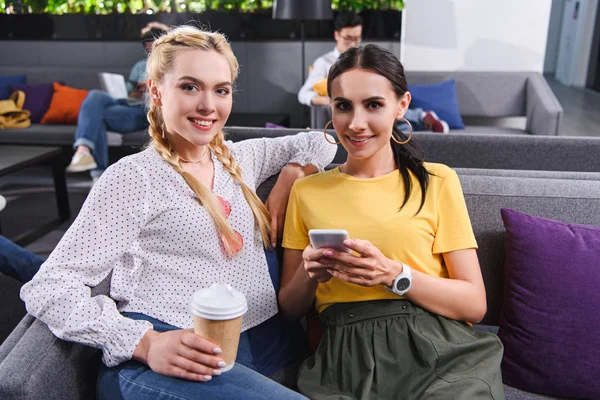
[(37, 99), (550, 323), (6, 81)]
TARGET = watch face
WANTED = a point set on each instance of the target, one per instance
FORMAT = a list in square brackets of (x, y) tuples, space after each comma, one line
[(403, 284)]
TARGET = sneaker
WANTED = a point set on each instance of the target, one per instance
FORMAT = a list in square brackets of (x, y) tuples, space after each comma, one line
[(2, 202), (82, 161), (434, 123)]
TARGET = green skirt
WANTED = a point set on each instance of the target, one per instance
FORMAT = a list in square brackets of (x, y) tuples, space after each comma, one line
[(393, 349)]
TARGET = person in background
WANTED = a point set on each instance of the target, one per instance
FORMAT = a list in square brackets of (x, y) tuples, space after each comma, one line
[(154, 25), (101, 112), (396, 308), (347, 34), (17, 262)]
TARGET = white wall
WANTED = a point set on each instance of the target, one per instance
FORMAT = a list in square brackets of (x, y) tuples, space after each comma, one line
[(483, 35)]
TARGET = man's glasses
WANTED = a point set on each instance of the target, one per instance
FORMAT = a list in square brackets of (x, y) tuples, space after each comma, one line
[(231, 248), (351, 39)]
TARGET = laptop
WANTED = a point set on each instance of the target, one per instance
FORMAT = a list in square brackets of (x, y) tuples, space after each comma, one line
[(114, 85)]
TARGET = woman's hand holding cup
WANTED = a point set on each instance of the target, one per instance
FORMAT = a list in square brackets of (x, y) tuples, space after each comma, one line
[(180, 354)]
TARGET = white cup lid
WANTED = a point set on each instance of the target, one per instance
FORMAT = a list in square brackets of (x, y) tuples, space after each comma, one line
[(218, 302)]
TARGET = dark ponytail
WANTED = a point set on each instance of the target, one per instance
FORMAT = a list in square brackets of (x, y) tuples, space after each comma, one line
[(381, 61)]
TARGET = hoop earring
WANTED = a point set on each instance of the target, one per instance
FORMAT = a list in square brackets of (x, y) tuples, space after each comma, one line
[(325, 133), (409, 135)]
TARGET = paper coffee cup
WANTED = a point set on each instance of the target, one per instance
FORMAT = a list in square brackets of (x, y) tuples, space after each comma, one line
[(218, 312)]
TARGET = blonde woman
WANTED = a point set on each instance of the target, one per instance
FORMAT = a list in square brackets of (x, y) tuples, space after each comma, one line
[(172, 219)]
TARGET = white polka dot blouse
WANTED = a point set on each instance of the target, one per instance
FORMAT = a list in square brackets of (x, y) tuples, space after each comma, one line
[(143, 222)]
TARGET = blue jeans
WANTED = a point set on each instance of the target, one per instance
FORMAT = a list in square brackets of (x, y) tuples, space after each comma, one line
[(263, 350), (134, 380), (18, 262), (100, 112), (414, 116)]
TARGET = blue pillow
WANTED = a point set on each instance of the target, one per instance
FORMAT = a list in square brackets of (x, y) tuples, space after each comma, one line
[(6, 81), (440, 98)]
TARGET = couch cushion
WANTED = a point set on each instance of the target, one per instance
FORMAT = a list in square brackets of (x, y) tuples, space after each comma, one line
[(550, 323), (64, 106), (488, 130), (441, 98), (136, 139), (37, 99), (6, 81), (54, 135), (561, 198), (511, 393), (489, 94)]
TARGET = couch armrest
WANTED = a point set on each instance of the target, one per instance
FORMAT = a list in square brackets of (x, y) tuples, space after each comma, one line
[(36, 364), (13, 339), (319, 116), (543, 110)]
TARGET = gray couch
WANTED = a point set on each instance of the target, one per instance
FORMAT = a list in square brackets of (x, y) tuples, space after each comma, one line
[(35, 364), (486, 99), (462, 150), (521, 152), (466, 150)]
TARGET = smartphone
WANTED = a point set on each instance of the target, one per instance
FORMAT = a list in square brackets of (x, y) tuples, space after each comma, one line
[(330, 238)]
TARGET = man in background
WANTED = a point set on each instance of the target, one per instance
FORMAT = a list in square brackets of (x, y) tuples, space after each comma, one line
[(348, 33)]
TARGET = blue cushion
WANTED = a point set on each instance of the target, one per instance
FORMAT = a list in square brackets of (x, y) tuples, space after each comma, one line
[(441, 98), (6, 81)]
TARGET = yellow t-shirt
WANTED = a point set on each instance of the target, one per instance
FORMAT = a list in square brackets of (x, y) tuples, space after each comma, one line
[(368, 209)]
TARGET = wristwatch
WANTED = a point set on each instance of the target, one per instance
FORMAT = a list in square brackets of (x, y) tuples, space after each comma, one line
[(403, 282)]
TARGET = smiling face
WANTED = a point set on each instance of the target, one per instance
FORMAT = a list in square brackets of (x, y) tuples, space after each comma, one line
[(195, 97), (365, 110)]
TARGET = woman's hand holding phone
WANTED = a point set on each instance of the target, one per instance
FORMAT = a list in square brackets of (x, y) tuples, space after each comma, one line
[(369, 268), (315, 264)]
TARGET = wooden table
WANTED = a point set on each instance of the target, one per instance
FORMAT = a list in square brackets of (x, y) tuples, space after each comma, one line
[(16, 158)]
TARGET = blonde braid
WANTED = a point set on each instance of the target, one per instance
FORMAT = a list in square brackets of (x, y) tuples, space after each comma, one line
[(261, 214), (160, 62), (205, 195)]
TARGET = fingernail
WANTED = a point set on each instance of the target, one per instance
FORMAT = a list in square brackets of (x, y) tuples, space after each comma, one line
[(331, 271), (216, 372), (217, 350), (328, 253), (207, 377), (274, 244), (222, 364), (348, 242)]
